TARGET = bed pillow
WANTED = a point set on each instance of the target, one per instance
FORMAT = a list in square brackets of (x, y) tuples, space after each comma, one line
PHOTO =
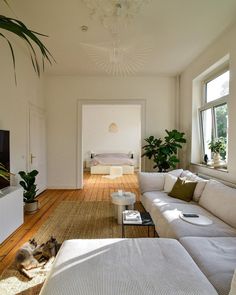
[(170, 180), (183, 190), (111, 155)]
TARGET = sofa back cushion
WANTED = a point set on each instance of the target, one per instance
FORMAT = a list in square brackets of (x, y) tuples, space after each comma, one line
[(151, 181), (220, 200)]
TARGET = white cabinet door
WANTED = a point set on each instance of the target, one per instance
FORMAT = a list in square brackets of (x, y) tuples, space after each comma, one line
[(37, 146), (11, 211)]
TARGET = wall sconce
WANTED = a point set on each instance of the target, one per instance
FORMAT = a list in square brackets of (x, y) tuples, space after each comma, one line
[(113, 128)]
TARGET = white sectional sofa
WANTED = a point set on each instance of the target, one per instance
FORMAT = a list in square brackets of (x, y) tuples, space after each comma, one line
[(213, 246)]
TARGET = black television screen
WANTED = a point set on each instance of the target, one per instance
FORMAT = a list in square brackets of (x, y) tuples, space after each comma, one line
[(4, 155)]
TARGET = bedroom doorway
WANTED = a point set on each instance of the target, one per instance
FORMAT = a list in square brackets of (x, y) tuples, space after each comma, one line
[(111, 130)]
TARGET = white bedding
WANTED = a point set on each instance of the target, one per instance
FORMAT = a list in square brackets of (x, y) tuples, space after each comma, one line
[(112, 159), (125, 267)]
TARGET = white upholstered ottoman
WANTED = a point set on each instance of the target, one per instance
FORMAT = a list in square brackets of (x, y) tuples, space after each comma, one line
[(125, 266)]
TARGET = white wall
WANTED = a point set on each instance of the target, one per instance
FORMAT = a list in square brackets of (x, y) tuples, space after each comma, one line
[(226, 44), (14, 101), (62, 94), (96, 136)]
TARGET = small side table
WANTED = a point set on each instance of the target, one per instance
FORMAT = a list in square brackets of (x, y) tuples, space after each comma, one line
[(146, 221), (122, 203)]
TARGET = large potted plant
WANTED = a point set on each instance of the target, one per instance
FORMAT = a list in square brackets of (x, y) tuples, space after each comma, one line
[(218, 148), (164, 152), (30, 190)]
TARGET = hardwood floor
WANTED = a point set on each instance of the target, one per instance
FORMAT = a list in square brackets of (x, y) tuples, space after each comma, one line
[(96, 188)]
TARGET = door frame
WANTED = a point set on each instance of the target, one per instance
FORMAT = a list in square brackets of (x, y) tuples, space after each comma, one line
[(79, 128)]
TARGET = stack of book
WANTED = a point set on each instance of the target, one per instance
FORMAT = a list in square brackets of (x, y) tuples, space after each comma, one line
[(132, 217)]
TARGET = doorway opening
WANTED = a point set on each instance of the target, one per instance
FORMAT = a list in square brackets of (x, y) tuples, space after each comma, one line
[(109, 129)]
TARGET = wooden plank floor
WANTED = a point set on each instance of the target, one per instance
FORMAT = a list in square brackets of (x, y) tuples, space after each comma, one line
[(96, 188)]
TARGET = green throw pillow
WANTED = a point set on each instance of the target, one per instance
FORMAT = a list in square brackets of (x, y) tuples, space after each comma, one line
[(183, 190)]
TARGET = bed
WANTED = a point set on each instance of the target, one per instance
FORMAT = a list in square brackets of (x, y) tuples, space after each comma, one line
[(101, 163), (125, 266)]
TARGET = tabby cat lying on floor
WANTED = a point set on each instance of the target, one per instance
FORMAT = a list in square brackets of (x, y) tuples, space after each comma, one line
[(50, 249)]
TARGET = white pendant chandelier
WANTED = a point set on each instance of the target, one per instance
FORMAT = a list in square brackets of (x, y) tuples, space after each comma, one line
[(114, 14), (113, 57)]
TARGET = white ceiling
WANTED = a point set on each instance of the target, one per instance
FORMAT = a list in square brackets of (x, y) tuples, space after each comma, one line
[(176, 30)]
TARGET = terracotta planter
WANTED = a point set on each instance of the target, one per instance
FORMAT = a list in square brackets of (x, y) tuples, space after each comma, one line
[(31, 208)]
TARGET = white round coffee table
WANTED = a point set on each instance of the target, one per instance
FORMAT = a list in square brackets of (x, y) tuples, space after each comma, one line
[(122, 203)]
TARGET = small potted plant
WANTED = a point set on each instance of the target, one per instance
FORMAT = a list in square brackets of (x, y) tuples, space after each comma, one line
[(218, 148), (29, 186)]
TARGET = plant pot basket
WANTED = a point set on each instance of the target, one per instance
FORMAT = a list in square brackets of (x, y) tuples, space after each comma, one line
[(31, 208)]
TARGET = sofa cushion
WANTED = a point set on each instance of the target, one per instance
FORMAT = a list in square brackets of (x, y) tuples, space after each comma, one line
[(170, 180), (151, 181), (233, 285), (150, 198), (216, 257), (125, 266), (183, 190), (169, 224), (220, 200)]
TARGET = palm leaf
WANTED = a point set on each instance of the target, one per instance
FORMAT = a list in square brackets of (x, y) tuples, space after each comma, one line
[(29, 37)]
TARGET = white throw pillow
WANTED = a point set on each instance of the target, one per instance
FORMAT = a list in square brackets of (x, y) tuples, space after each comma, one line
[(176, 172), (170, 180), (187, 174), (220, 200), (149, 182), (233, 285)]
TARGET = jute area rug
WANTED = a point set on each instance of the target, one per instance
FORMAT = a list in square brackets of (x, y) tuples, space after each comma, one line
[(70, 220)]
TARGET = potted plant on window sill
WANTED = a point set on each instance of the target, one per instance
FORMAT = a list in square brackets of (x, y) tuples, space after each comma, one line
[(30, 190), (218, 147)]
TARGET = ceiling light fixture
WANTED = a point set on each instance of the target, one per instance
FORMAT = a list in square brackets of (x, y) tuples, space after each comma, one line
[(117, 59), (113, 57), (114, 14)]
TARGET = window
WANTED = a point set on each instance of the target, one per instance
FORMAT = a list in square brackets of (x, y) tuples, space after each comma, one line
[(214, 111)]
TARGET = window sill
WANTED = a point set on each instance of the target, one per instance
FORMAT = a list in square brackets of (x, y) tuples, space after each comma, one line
[(222, 169)]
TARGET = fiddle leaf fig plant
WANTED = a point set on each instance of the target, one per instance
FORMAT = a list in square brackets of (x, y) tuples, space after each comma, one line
[(164, 151), (30, 38), (29, 186)]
